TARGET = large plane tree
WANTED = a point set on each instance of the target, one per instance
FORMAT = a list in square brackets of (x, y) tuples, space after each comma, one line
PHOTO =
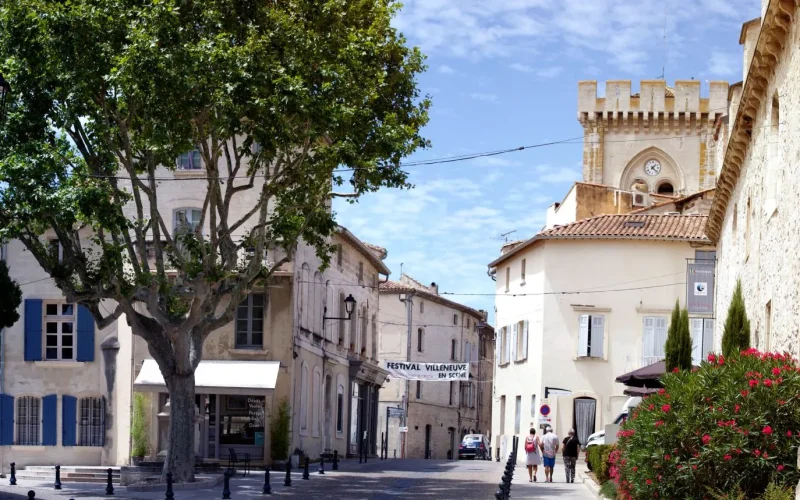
[(105, 92)]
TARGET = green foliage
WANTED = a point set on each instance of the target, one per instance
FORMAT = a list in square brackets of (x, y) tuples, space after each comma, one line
[(598, 460), (289, 104), (10, 298), (778, 492), (279, 429), (139, 426), (678, 348), (736, 334), (609, 490), (732, 423)]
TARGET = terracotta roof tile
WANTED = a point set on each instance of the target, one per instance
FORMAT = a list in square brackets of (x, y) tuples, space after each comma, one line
[(661, 226), (624, 226)]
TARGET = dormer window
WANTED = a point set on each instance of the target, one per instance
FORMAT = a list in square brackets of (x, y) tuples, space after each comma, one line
[(190, 160)]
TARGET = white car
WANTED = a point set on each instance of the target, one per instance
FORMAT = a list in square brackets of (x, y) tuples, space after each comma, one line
[(599, 438)]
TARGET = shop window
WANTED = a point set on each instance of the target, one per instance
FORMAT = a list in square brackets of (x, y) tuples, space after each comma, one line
[(242, 420)]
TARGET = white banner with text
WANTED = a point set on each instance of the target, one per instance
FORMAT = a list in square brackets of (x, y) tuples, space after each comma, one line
[(405, 370)]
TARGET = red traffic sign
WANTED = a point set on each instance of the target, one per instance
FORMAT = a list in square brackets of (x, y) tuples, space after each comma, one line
[(544, 410)]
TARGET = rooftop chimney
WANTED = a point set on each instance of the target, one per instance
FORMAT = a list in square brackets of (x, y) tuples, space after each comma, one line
[(434, 288)]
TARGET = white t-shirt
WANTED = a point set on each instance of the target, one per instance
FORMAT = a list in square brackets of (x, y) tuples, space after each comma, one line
[(550, 441)]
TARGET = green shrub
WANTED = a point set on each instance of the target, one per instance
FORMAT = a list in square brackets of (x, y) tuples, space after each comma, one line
[(678, 348), (609, 490), (597, 458), (736, 334), (777, 492), (139, 426), (279, 430), (732, 423)]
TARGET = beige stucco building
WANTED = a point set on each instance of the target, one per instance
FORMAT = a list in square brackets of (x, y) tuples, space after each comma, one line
[(64, 384), (589, 297), (754, 218), (439, 413), (68, 390)]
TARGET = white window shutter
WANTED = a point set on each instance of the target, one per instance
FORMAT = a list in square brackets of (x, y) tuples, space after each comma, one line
[(648, 339), (696, 325), (708, 337), (506, 336), (525, 340), (660, 337), (498, 346), (514, 340), (467, 354), (583, 335), (598, 335)]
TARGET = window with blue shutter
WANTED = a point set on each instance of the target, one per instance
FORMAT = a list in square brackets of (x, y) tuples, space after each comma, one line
[(33, 329), (49, 419), (85, 335), (6, 419), (69, 420)]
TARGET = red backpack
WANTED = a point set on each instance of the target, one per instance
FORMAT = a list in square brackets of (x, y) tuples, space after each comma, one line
[(530, 444)]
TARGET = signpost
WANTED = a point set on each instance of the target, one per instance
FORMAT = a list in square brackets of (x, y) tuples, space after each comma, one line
[(544, 413)]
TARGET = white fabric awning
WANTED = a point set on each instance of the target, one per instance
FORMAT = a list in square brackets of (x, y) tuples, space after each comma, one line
[(217, 377)]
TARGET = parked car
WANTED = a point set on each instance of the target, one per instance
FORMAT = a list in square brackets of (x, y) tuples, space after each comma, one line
[(474, 446), (599, 437)]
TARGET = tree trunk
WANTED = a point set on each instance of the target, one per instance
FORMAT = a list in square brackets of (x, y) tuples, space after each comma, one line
[(180, 450)]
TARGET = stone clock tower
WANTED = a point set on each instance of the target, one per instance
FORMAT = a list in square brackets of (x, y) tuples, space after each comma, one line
[(659, 140)]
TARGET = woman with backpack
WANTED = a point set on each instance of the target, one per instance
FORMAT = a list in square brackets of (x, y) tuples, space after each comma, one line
[(532, 457)]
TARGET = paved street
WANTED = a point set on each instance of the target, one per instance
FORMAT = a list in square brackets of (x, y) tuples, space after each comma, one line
[(393, 479)]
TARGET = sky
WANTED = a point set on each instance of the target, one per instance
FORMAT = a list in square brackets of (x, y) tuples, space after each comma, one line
[(503, 74)]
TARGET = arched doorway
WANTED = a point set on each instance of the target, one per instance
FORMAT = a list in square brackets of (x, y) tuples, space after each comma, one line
[(583, 417)]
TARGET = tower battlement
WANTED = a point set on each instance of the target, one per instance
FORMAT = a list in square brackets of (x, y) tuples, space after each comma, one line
[(656, 106)]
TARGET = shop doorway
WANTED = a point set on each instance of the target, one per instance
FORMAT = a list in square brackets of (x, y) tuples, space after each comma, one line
[(583, 416), (428, 430)]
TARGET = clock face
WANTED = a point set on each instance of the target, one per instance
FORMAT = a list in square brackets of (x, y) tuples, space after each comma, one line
[(652, 167)]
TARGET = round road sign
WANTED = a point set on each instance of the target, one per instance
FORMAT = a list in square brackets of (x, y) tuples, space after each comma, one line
[(545, 410)]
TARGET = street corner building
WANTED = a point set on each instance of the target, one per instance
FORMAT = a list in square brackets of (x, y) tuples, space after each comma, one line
[(307, 337), (754, 218), (419, 327), (64, 383), (588, 298)]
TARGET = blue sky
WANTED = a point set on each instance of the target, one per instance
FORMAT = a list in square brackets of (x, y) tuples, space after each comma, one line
[(504, 74)]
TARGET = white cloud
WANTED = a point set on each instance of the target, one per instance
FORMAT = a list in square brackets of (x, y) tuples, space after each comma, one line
[(724, 64), (551, 72), (522, 68), (445, 69), (549, 174), (481, 96), (626, 34)]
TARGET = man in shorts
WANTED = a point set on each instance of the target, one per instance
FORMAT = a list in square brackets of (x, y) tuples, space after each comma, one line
[(550, 447)]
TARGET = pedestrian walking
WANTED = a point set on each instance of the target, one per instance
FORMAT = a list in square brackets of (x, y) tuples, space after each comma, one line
[(549, 448), (571, 447), (533, 457)]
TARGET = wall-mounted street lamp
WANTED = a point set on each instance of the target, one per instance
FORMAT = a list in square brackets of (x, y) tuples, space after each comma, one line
[(5, 89), (349, 307)]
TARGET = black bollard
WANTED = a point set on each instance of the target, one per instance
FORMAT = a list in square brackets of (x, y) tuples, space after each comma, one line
[(322, 463), (335, 459), (288, 480), (359, 457), (498, 454), (498, 494), (13, 480), (267, 488), (31, 494), (170, 495), (109, 485), (305, 470), (226, 485), (58, 477)]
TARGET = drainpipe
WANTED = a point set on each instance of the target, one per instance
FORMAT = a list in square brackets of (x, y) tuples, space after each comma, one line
[(2, 390)]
